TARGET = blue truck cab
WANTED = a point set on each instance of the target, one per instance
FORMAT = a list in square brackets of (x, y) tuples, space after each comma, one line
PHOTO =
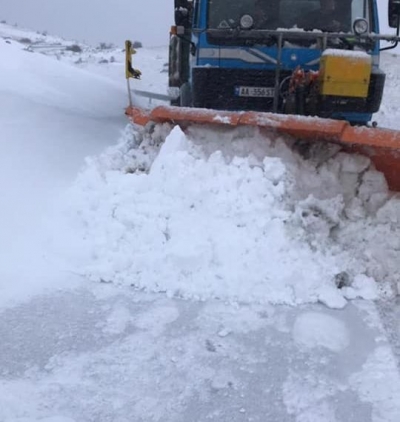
[(244, 54)]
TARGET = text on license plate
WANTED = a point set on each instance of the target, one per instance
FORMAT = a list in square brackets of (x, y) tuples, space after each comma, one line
[(254, 91)]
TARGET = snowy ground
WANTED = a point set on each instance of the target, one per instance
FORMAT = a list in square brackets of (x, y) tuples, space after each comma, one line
[(183, 276)]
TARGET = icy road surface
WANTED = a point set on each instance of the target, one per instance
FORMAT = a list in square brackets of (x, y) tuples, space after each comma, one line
[(113, 346), (99, 354)]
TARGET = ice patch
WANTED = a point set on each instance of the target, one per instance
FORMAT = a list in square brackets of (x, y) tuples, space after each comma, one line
[(377, 383), (49, 419), (310, 397), (314, 329), (118, 321), (156, 319)]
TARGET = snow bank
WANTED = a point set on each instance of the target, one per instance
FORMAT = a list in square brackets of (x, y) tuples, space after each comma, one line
[(236, 216), (52, 116), (48, 82)]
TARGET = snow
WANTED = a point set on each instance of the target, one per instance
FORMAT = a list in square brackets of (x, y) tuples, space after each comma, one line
[(320, 330), (254, 222), (377, 384), (179, 275), (40, 107), (356, 54)]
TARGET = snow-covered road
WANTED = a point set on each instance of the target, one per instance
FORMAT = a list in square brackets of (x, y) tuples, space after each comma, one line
[(103, 354), (162, 329)]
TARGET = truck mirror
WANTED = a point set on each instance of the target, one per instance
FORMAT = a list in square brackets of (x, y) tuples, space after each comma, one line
[(183, 13), (394, 13)]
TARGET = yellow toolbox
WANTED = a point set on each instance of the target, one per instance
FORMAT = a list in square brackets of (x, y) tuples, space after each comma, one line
[(345, 73)]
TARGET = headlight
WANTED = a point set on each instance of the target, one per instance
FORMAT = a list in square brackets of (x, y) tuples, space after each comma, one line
[(246, 21), (360, 26)]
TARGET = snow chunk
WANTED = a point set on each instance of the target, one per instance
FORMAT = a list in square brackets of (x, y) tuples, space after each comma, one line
[(174, 144), (390, 212), (320, 216), (222, 119), (176, 141), (362, 287), (315, 329)]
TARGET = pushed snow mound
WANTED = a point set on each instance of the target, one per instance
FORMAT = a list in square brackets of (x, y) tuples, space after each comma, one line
[(237, 216)]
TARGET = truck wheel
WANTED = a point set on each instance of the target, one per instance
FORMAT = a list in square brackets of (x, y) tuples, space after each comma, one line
[(186, 95)]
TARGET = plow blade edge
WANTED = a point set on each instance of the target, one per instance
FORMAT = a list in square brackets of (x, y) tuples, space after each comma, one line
[(382, 146)]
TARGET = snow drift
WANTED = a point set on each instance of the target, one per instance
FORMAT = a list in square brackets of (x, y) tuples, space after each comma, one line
[(52, 115)]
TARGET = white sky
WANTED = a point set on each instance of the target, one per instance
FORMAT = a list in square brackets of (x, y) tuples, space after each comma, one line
[(97, 21), (94, 21)]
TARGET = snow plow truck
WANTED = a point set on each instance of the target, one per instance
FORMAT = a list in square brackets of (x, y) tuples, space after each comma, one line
[(306, 68)]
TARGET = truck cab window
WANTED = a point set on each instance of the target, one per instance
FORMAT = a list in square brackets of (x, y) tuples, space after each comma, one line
[(328, 15)]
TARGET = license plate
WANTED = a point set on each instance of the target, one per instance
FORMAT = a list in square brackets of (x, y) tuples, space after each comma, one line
[(254, 91)]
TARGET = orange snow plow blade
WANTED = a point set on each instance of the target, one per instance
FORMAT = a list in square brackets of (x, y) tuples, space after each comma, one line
[(381, 145)]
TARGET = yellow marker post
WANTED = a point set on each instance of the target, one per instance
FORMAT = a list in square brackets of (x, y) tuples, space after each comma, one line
[(130, 72)]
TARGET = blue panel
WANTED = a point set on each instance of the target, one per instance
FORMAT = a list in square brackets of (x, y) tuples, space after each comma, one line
[(291, 58), (304, 55), (360, 118)]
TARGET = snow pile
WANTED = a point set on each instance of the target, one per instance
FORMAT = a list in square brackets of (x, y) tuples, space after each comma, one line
[(52, 115), (236, 216)]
